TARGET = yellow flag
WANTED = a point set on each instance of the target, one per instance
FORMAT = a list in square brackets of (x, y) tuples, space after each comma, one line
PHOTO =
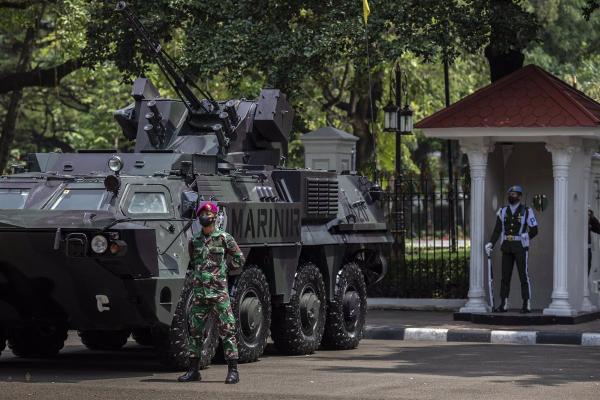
[(366, 11)]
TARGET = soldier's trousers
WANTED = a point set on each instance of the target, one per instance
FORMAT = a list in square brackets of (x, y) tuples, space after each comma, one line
[(202, 308), (508, 260)]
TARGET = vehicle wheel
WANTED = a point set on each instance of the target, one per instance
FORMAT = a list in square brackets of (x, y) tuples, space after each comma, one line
[(37, 341), (297, 327), (104, 340), (143, 336), (252, 309), (347, 312), (173, 342), (372, 265)]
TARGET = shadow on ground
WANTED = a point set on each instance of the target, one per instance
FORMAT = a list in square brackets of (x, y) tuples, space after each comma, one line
[(76, 363), (526, 365)]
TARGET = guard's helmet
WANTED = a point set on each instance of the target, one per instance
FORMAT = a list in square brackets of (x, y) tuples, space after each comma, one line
[(516, 189), (207, 205)]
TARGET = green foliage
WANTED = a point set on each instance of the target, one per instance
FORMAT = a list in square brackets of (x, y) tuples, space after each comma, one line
[(314, 50), (569, 44)]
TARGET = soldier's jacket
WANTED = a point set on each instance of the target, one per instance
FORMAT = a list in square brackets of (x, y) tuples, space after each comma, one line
[(208, 256), (522, 221)]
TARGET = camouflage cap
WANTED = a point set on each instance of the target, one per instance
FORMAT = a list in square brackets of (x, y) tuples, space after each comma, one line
[(207, 205)]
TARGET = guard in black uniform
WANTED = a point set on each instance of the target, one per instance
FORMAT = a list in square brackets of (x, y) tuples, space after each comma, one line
[(516, 226), (593, 226)]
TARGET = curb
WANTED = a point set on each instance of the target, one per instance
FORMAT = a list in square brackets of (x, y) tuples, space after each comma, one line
[(481, 336), (385, 303)]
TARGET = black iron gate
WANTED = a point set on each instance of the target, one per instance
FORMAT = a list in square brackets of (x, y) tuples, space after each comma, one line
[(430, 255)]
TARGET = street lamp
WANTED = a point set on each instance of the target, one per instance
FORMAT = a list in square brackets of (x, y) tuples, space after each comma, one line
[(406, 120), (398, 120), (390, 117)]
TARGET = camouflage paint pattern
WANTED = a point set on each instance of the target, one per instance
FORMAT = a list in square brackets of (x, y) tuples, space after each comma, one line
[(209, 277)]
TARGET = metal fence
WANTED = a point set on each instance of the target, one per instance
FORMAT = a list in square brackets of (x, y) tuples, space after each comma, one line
[(430, 224)]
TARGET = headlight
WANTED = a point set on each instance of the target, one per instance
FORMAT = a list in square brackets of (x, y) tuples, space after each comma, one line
[(115, 164), (99, 244)]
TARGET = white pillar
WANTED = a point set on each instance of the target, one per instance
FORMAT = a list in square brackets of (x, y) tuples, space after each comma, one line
[(477, 151), (561, 161), (586, 304), (595, 203)]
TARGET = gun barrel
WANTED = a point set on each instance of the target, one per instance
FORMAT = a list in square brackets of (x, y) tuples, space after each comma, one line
[(166, 64)]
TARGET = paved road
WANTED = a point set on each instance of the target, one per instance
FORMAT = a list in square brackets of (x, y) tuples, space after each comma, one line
[(377, 370)]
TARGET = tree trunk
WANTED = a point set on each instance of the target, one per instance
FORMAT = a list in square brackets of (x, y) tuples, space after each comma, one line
[(48, 77), (9, 127), (505, 50), (11, 118), (365, 144), (356, 111), (360, 119), (502, 64)]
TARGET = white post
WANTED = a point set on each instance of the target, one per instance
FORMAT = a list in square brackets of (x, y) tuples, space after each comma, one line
[(561, 161), (595, 201), (477, 151), (586, 304)]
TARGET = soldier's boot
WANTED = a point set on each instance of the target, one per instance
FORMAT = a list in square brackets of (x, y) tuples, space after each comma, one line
[(502, 306), (193, 374), (526, 308), (233, 376)]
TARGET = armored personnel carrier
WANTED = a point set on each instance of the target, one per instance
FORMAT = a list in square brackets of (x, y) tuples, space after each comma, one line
[(97, 241)]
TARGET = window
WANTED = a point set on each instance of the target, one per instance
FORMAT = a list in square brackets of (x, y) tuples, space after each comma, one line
[(79, 199), (13, 199), (148, 203)]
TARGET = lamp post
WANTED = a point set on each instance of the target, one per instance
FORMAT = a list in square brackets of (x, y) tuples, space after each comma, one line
[(399, 120)]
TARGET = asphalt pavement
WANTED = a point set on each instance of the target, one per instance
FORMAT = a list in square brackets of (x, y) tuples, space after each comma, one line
[(378, 369)]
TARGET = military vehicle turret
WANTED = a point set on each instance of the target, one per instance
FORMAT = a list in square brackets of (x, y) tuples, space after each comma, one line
[(96, 240)]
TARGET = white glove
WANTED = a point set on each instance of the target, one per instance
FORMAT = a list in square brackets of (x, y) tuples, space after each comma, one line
[(488, 248), (525, 239)]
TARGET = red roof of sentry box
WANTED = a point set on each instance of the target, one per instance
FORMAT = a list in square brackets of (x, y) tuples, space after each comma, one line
[(529, 97)]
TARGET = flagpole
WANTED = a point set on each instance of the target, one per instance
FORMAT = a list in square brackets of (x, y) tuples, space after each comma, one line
[(366, 12)]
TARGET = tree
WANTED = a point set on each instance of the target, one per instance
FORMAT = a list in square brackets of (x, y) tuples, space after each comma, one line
[(293, 44), (44, 22), (60, 37), (313, 50)]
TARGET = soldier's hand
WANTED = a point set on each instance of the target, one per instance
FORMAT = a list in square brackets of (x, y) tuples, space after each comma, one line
[(489, 247)]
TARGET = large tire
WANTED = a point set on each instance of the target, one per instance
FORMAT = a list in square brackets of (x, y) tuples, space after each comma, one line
[(173, 342), (104, 340), (143, 336), (297, 327), (37, 341), (252, 310), (347, 312)]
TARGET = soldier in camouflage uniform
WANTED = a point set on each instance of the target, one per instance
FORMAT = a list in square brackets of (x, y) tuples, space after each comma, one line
[(208, 252)]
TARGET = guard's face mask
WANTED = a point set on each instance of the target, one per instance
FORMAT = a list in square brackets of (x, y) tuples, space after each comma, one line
[(206, 220), (513, 198)]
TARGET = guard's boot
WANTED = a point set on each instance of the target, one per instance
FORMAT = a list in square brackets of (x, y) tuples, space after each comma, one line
[(233, 376), (526, 308), (502, 306), (193, 374)]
